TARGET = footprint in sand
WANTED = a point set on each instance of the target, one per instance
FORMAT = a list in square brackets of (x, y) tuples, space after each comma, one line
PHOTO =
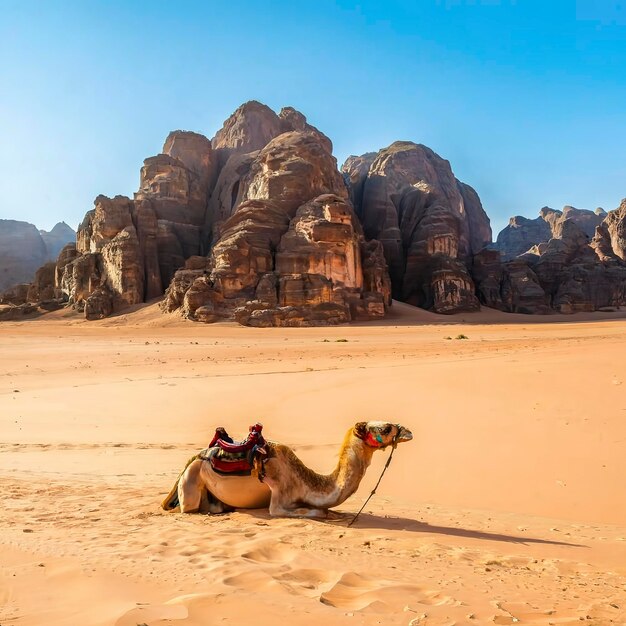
[(255, 580), (269, 553), (309, 582), (359, 593)]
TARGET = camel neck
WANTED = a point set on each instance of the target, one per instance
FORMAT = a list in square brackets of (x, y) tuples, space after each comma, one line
[(355, 457)]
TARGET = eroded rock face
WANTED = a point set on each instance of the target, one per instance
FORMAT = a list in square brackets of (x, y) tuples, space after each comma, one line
[(110, 234), (567, 273), (522, 233), (428, 222), (521, 291), (251, 127), (171, 205), (355, 170), (290, 250), (259, 226), (127, 250), (291, 169), (226, 195), (16, 295), (42, 287), (244, 134), (610, 239), (487, 273)]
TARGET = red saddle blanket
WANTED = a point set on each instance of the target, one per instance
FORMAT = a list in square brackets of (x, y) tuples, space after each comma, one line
[(229, 457)]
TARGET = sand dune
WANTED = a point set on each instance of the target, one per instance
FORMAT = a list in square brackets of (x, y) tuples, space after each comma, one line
[(507, 507)]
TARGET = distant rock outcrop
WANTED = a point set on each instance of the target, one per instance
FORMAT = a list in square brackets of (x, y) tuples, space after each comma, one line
[(565, 271), (522, 233), (23, 249), (429, 223), (56, 239)]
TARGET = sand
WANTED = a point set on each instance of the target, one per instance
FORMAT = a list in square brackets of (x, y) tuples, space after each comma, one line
[(508, 506)]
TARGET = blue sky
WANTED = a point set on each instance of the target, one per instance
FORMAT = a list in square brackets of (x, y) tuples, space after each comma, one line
[(526, 99)]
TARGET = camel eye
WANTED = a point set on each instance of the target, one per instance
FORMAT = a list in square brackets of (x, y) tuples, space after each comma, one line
[(386, 430)]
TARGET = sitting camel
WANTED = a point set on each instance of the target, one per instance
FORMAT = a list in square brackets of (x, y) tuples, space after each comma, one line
[(280, 480)]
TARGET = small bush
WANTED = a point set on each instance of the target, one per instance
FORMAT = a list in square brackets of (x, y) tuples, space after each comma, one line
[(461, 337), (341, 340), (448, 337)]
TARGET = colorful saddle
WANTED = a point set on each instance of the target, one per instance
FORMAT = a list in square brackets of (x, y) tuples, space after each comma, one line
[(236, 458)]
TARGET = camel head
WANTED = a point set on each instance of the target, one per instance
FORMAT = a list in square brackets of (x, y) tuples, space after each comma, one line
[(381, 434)]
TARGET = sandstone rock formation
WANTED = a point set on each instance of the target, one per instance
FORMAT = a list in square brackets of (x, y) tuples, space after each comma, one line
[(23, 249), (566, 272), (522, 233), (429, 223), (253, 125), (610, 238), (127, 251), (15, 295), (258, 225), (288, 248), (255, 225)]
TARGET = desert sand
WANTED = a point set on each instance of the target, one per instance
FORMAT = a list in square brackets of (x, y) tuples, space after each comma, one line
[(507, 507)]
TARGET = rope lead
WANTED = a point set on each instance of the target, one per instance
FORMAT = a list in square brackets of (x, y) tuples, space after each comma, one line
[(393, 449)]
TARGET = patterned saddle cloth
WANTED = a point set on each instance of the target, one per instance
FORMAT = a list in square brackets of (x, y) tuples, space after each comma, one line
[(236, 458)]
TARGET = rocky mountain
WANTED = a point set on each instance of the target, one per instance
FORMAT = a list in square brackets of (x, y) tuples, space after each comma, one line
[(288, 248), (259, 225), (23, 249), (522, 233), (55, 240), (255, 225), (429, 223), (567, 270)]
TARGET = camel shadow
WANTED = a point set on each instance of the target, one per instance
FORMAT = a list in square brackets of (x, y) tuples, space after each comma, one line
[(374, 522)]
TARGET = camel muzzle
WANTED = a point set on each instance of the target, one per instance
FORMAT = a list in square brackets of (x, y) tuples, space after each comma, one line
[(404, 435)]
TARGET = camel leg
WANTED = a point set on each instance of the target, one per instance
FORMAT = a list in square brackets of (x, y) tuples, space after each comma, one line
[(212, 505), (308, 513), (190, 488), (193, 495), (301, 512), (280, 509)]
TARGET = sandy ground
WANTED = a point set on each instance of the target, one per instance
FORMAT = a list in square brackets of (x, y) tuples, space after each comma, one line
[(508, 507)]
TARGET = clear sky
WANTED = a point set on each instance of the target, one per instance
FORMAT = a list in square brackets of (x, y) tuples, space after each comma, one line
[(525, 98)]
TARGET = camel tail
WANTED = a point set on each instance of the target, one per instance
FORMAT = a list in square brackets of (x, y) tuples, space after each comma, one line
[(171, 500)]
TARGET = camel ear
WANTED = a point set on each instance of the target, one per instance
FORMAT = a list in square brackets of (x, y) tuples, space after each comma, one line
[(360, 429)]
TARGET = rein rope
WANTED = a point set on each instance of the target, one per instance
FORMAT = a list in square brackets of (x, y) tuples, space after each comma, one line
[(394, 444)]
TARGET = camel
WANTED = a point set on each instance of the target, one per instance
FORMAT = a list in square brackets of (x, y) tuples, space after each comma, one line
[(281, 481)]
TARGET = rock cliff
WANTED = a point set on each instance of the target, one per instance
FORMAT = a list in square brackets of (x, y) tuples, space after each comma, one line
[(522, 233), (429, 223), (578, 265), (288, 249), (258, 225), (255, 225)]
